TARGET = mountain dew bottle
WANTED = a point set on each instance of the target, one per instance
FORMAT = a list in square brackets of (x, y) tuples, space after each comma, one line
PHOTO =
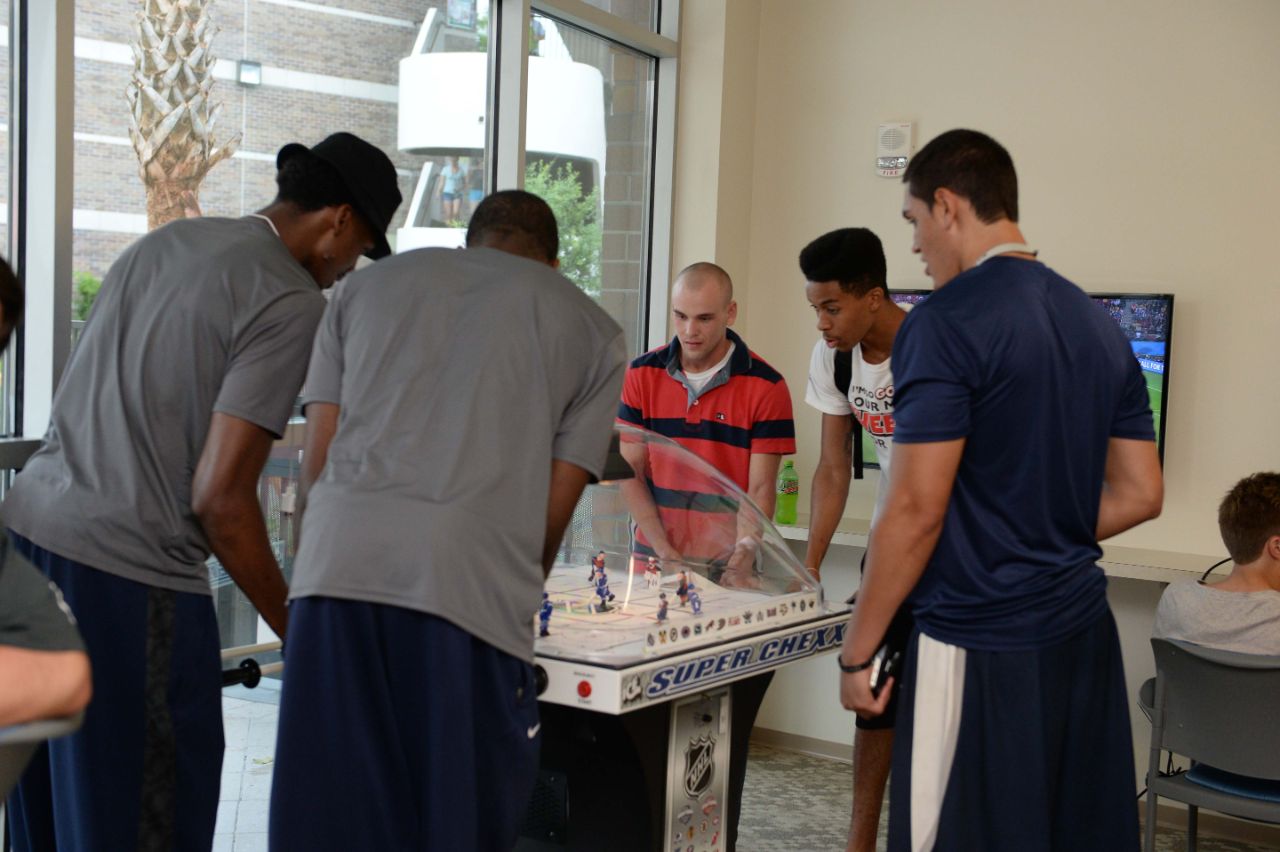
[(788, 492)]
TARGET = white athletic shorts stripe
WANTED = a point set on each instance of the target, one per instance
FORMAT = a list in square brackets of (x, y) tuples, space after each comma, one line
[(935, 727)]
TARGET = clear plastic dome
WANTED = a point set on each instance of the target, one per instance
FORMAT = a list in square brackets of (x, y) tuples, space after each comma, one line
[(690, 564)]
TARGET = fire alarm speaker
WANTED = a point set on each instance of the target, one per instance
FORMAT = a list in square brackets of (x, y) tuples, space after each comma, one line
[(893, 149)]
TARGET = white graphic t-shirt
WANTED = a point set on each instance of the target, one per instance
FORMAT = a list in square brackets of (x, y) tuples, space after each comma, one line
[(870, 401)]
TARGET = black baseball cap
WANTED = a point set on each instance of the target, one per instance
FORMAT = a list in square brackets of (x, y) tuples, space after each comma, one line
[(368, 175)]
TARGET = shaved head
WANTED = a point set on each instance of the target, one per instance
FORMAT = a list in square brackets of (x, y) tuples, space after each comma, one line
[(696, 276), (702, 309)]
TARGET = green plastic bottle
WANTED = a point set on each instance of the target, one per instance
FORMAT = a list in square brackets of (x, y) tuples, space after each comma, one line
[(788, 492)]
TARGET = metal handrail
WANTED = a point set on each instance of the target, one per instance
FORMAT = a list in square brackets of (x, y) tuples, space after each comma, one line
[(246, 650)]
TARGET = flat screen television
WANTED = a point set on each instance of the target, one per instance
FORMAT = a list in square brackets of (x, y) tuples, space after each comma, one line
[(1147, 321)]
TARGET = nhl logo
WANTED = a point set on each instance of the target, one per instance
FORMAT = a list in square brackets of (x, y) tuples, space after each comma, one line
[(631, 688), (699, 765)]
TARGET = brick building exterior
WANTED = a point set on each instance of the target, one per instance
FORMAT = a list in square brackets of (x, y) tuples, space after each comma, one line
[(341, 59)]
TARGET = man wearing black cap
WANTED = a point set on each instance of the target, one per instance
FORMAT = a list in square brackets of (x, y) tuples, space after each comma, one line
[(184, 375)]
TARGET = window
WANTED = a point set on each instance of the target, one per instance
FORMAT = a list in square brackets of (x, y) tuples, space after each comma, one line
[(588, 152), (6, 248), (444, 95), (642, 12), (6, 58), (410, 77)]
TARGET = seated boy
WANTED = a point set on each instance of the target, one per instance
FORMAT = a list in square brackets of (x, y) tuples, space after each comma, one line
[(1241, 612)]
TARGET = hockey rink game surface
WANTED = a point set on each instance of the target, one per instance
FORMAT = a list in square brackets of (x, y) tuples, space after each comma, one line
[(629, 630)]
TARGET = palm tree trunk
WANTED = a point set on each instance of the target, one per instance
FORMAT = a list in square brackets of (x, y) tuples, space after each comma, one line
[(171, 115)]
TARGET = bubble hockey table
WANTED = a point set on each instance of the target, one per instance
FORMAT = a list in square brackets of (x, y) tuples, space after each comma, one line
[(645, 724)]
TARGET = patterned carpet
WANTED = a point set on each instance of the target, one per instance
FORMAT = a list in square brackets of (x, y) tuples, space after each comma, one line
[(798, 803)]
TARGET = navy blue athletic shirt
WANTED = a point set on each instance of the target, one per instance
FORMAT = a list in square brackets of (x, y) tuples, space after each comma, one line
[(1037, 378)]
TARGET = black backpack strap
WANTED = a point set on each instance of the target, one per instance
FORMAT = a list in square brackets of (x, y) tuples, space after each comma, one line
[(844, 371), (844, 377)]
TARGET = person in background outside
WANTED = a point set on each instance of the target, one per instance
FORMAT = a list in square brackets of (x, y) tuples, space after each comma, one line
[(453, 177)]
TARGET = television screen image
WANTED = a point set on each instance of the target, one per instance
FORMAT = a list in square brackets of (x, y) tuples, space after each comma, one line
[(909, 297), (1147, 321)]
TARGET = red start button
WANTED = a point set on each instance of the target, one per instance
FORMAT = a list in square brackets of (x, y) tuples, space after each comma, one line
[(584, 689)]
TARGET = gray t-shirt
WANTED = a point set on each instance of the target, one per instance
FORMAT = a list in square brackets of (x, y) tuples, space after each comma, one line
[(1247, 622), (32, 613), (200, 316), (460, 375)]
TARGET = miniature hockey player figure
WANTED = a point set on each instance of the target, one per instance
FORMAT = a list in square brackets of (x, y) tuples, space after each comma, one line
[(662, 607), (695, 599), (597, 564), (602, 588), (544, 616), (652, 573), (682, 588)]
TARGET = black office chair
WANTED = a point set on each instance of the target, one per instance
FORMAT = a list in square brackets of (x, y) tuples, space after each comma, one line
[(1217, 708)]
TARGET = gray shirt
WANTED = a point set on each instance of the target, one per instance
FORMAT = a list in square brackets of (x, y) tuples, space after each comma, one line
[(32, 613), (460, 375), (200, 316), (1247, 622)]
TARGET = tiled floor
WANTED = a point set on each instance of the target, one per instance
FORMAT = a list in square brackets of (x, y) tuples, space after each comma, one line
[(792, 802), (250, 730), (797, 803)]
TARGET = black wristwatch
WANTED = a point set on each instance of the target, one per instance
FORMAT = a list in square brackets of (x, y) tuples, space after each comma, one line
[(851, 669)]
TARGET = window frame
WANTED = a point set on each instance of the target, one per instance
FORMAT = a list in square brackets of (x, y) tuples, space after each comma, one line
[(42, 59)]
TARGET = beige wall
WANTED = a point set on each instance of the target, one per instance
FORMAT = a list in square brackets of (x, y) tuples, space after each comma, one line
[(715, 137), (1147, 139)]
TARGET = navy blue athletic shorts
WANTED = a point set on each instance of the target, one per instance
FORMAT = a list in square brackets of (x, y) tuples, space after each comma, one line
[(1015, 751), (399, 730), (143, 771)]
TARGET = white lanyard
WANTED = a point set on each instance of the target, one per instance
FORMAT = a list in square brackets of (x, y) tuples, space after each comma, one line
[(276, 231), (1005, 248)]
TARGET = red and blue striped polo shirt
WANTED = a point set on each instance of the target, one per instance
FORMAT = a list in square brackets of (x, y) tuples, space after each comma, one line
[(744, 409)]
